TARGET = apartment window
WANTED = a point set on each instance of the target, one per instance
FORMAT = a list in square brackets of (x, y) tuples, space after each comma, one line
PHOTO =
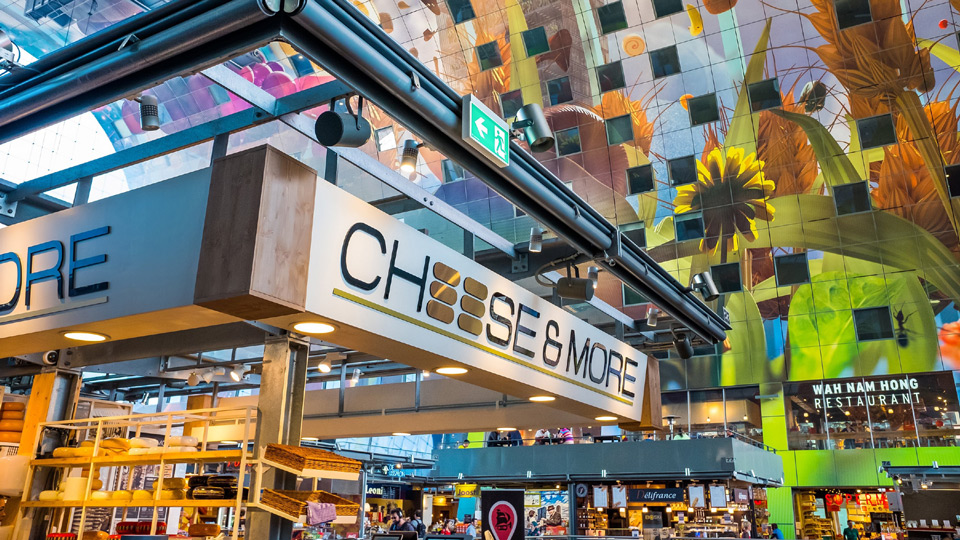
[(517, 212), (665, 61), (632, 297), (852, 12), (535, 41), (452, 172), (612, 18), (640, 179), (851, 198), (559, 91), (619, 129), (764, 95), (791, 269), (568, 141), (689, 226), (636, 232), (488, 55), (953, 179), (876, 131), (683, 170), (610, 76), (461, 10), (665, 8), (703, 109), (727, 277), (873, 323), (510, 103)]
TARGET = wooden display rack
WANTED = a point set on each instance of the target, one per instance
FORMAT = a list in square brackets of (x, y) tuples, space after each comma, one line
[(204, 419)]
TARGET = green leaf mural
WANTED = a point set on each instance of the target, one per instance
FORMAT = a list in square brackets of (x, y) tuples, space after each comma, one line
[(834, 163), (744, 125), (823, 339), (746, 361)]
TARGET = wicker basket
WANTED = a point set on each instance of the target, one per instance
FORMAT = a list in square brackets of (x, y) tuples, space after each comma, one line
[(302, 458), (295, 502)]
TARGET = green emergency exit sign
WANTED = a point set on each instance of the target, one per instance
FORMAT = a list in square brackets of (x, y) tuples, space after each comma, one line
[(485, 131)]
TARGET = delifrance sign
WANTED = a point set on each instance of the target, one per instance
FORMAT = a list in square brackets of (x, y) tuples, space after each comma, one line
[(391, 269)]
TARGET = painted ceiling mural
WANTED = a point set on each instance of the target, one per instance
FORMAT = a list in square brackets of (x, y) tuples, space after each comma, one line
[(801, 152)]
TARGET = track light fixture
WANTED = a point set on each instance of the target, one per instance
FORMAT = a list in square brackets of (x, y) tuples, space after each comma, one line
[(593, 274), (536, 239), (684, 348), (324, 365), (409, 155), (653, 313), (531, 125), (345, 129), (207, 376), (239, 373), (575, 288), (149, 112), (703, 283), (356, 376), (193, 379)]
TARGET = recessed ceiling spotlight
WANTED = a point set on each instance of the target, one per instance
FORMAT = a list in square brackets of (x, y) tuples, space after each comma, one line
[(314, 327), (89, 337), (451, 370), (542, 399), (605, 418)]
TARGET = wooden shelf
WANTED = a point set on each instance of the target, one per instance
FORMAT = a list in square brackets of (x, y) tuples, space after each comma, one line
[(146, 459), (179, 503), (312, 473), (344, 520)]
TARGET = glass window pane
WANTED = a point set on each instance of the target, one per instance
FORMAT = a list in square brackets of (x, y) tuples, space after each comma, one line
[(953, 179), (727, 277), (703, 109), (674, 404), (852, 12), (636, 233), (619, 130), (452, 172), (873, 323), (706, 413), (488, 55), (639, 179), (632, 297), (461, 10), (665, 62), (535, 41), (876, 131), (510, 103), (937, 409), (764, 95), (791, 269), (559, 91), (385, 139), (612, 17), (689, 226), (852, 198), (664, 8), (806, 417), (568, 141), (743, 412), (610, 76), (683, 170)]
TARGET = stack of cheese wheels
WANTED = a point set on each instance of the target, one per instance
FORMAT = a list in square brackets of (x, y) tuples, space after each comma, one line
[(11, 421)]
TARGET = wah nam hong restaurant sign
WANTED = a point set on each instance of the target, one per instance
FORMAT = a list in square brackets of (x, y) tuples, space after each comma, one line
[(258, 237)]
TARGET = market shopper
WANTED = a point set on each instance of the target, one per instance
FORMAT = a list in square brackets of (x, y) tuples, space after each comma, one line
[(450, 527), (398, 522), (775, 532), (851, 532), (542, 436), (745, 530), (471, 531), (417, 522)]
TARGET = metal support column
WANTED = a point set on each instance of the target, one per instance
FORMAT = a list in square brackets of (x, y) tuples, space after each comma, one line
[(572, 510), (363, 503), (279, 420)]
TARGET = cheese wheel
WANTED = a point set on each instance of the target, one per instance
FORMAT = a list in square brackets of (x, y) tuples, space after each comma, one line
[(97, 484), (11, 415), (11, 425), (172, 494), (185, 440), (13, 406), (100, 495), (174, 483), (86, 451), (86, 444), (122, 495), (10, 436), (204, 529), (95, 535), (48, 495), (117, 443), (138, 451), (63, 452), (142, 495), (144, 442)]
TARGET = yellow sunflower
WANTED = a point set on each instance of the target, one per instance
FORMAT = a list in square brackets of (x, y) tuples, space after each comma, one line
[(731, 192)]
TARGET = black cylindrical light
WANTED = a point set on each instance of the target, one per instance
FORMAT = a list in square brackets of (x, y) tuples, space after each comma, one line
[(342, 129), (538, 134)]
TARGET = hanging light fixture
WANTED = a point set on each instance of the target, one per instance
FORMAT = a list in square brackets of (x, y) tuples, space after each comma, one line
[(593, 274), (193, 379), (409, 155), (536, 239)]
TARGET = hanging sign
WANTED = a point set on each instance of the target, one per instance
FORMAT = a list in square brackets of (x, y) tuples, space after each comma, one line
[(486, 131), (466, 490), (501, 513)]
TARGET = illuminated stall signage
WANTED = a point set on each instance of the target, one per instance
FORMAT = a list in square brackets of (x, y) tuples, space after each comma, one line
[(495, 317), (860, 393), (655, 495), (48, 264)]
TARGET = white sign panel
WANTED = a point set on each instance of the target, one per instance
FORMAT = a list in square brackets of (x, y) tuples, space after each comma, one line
[(370, 271)]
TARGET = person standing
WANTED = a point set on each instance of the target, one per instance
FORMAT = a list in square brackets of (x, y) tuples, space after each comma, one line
[(851, 532), (418, 524), (745, 530), (450, 527), (471, 531)]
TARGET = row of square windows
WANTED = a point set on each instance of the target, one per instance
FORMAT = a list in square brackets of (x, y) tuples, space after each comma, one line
[(613, 18)]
